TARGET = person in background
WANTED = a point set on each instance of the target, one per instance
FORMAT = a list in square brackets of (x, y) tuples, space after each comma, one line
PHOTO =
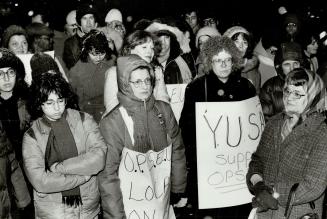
[(245, 43), (202, 36), (140, 43), (291, 27), (86, 21), (14, 38), (309, 43), (141, 127), (191, 17), (222, 83), (87, 77), (288, 57), (292, 151), (71, 24), (114, 20), (40, 37), (265, 50), (12, 183), (63, 152)]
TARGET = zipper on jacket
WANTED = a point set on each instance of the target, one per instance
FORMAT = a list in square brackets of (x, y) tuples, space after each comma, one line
[(147, 126)]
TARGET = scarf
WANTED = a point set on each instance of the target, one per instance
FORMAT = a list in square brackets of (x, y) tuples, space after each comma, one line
[(61, 146), (316, 94)]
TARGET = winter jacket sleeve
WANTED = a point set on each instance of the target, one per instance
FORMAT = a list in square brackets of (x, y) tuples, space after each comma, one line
[(45, 181), (92, 161), (178, 166), (109, 182), (110, 89), (22, 196), (68, 54)]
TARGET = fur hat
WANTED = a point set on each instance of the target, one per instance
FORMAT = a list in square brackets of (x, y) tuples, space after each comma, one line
[(83, 10), (9, 59), (71, 17), (236, 29), (114, 15), (206, 31), (42, 62), (11, 31)]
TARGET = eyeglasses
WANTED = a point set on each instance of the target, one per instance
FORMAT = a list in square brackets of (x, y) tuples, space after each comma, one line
[(287, 92), (139, 83), (227, 61), (209, 21), (10, 73), (51, 103)]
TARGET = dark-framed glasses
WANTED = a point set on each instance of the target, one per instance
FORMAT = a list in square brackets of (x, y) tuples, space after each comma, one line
[(138, 83), (10, 73), (287, 92), (227, 61)]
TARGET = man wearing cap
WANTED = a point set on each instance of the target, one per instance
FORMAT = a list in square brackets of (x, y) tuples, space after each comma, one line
[(288, 57), (86, 21)]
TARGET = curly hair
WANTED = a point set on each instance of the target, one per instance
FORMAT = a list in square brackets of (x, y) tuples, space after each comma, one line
[(97, 40), (215, 45), (45, 84)]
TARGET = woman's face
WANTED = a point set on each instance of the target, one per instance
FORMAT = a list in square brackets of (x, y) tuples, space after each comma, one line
[(242, 44), (145, 50), (295, 99), (96, 56), (312, 48), (18, 44), (54, 107), (222, 65), (202, 40), (7, 79), (141, 83)]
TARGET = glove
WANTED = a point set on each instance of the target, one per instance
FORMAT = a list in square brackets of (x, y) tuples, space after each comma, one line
[(175, 198), (264, 199)]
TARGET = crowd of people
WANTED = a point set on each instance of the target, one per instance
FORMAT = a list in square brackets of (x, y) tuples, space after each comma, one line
[(91, 133)]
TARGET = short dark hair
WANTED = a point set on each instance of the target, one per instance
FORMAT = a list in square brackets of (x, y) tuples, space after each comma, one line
[(97, 40), (248, 37), (45, 84)]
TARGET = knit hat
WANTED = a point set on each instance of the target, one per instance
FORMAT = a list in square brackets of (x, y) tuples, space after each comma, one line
[(9, 59), (236, 29), (38, 29), (206, 31), (11, 31), (42, 62), (83, 10), (114, 15)]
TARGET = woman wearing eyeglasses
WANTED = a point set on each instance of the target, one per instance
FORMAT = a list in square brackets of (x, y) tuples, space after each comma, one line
[(292, 150), (87, 77), (222, 82), (63, 152), (145, 159)]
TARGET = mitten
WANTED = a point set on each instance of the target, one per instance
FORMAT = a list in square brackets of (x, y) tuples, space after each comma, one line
[(264, 197)]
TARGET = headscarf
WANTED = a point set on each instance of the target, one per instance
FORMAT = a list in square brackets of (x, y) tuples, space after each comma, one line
[(316, 96)]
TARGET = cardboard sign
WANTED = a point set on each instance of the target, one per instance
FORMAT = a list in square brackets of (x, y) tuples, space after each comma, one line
[(176, 93), (26, 58), (227, 134)]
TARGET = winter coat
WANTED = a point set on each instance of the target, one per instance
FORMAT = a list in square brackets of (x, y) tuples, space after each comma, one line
[(236, 88), (12, 181), (250, 71), (152, 121), (72, 50), (87, 80), (172, 70), (300, 158), (68, 174)]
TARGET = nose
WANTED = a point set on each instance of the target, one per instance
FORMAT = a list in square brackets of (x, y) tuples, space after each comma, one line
[(56, 106), (6, 77)]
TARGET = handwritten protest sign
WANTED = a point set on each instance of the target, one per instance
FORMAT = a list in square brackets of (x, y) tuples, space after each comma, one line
[(227, 134), (26, 58), (145, 184), (176, 93)]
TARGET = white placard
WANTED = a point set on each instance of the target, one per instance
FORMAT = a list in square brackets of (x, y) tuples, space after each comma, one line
[(176, 93), (26, 58), (227, 134)]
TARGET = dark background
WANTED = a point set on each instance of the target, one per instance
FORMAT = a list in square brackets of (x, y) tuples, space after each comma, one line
[(253, 14)]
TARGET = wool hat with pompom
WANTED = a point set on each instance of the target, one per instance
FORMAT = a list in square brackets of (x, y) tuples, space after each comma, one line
[(233, 30)]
